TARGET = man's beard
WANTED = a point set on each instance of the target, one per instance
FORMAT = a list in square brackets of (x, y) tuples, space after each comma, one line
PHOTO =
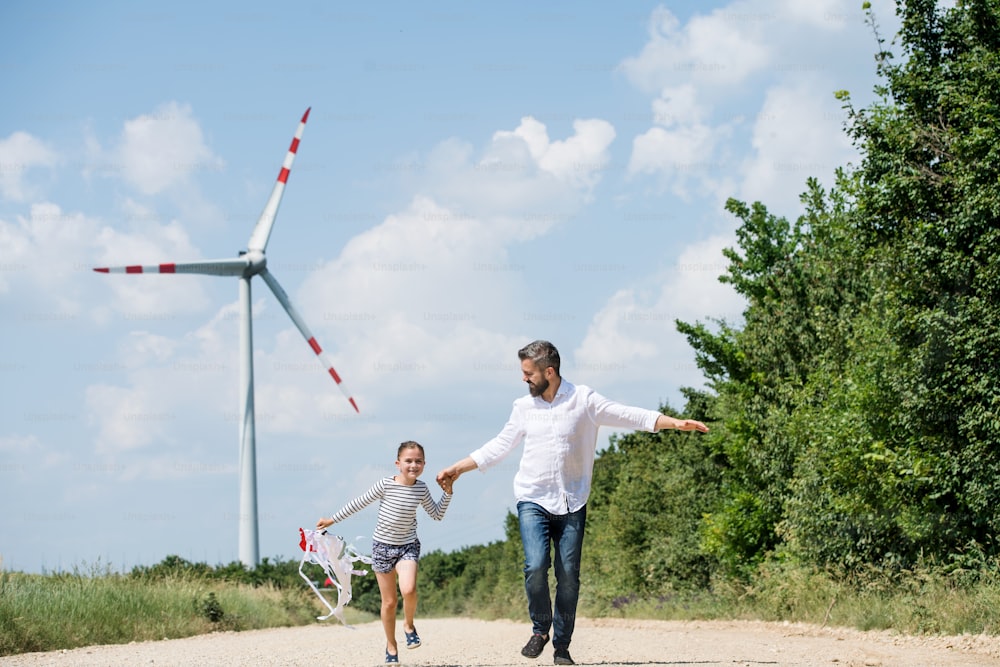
[(538, 389)]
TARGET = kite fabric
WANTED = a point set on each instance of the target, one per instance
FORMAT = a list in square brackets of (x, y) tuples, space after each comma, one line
[(337, 559)]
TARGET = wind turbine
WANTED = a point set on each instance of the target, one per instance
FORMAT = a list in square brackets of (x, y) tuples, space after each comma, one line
[(251, 262)]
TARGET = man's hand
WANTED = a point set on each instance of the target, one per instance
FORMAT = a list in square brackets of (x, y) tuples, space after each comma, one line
[(663, 421), (447, 483), (691, 425), (454, 471), (446, 478)]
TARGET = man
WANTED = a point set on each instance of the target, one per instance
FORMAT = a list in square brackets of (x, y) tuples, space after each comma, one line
[(558, 423)]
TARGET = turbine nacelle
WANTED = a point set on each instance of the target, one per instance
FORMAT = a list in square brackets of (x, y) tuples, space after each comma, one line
[(256, 262)]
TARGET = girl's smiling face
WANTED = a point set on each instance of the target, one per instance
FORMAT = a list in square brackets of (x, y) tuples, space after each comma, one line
[(410, 463)]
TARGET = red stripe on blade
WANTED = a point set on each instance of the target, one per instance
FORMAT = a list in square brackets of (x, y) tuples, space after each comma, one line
[(333, 374), (295, 145), (133, 269), (305, 116), (283, 176), (315, 346), (168, 268), (103, 270), (354, 404)]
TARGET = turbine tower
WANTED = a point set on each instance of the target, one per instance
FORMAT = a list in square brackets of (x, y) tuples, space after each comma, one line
[(252, 262)]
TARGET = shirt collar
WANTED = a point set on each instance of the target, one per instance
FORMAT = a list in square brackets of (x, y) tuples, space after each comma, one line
[(565, 388)]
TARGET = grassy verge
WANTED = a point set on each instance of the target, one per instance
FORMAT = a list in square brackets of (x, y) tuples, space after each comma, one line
[(51, 612), (914, 602)]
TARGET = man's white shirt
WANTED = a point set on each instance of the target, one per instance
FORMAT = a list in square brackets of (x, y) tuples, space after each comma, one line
[(560, 443)]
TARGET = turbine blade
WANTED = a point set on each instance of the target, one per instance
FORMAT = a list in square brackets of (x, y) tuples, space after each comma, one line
[(262, 231), (306, 333), (211, 267)]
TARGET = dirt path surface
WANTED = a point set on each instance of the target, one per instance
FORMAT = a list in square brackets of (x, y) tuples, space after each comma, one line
[(460, 642)]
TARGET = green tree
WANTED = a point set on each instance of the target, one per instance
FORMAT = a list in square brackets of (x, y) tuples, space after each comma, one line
[(859, 401), (802, 286), (930, 198)]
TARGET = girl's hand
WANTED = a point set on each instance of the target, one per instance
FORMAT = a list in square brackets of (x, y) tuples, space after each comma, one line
[(323, 523), (447, 483)]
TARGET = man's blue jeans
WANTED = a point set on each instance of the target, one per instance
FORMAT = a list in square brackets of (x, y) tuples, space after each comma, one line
[(540, 532)]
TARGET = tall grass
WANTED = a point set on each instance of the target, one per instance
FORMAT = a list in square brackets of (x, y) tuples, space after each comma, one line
[(917, 602), (50, 612)]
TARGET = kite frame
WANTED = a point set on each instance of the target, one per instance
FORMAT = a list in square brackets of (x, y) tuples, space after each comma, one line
[(337, 558)]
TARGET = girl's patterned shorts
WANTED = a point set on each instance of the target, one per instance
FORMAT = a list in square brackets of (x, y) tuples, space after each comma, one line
[(385, 556)]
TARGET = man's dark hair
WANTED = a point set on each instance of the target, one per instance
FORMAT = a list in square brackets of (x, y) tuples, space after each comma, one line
[(543, 353)]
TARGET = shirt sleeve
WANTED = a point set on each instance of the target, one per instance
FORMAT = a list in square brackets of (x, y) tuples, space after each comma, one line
[(496, 449), (606, 412), (436, 510), (361, 502)]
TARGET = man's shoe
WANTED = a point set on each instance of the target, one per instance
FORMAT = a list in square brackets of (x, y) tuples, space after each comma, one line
[(562, 657), (534, 647)]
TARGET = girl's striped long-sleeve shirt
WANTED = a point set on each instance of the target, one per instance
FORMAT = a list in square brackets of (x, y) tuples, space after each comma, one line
[(397, 511)]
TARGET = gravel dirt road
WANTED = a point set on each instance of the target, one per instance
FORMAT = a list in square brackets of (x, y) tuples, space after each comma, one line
[(458, 642)]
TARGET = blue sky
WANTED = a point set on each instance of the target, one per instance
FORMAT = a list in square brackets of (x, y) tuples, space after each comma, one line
[(472, 177)]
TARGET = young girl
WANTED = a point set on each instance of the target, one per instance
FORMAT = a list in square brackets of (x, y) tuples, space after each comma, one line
[(395, 547)]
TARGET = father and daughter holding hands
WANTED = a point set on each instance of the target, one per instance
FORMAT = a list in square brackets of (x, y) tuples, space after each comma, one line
[(557, 423)]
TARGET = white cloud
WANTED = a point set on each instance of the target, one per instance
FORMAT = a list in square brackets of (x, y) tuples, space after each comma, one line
[(125, 418), (51, 251), (795, 56), (713, 49), (521, 183), (164, 149), (748, 41), (54, 253), (797, 134), (678, 106), (676, 154), (820, 14), (635, 331), (143, 347), (173, 385), (682, 149), (413, 296), (577, 160), (19, 153)]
